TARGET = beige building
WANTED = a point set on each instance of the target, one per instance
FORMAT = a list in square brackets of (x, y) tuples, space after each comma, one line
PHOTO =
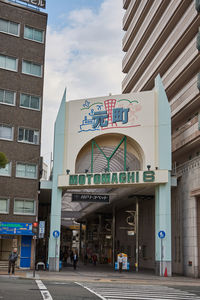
[(163, 37)]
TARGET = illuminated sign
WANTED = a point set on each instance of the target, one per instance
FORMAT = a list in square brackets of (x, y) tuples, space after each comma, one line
[(90, 198), (39, 3)]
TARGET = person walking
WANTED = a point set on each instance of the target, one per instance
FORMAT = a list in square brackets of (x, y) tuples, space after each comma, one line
[(75, 260), (11, 261), (120, 261), (94, 259), (85, 258), (71, 256)]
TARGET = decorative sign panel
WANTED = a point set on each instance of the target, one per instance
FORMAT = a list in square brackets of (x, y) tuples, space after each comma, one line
[(39, 3), (90, 198)]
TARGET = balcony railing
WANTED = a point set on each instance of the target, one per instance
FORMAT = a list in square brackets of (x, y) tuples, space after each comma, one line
[(142, 30), (126, 3), (185, 96), (133, 23), (186, 134), (164, 50), (194, 163), (126, 18)]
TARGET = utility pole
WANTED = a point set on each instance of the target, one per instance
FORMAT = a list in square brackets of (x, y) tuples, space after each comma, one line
[(137, 235)]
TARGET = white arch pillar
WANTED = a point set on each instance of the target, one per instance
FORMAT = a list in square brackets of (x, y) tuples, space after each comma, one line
[(56, 197)]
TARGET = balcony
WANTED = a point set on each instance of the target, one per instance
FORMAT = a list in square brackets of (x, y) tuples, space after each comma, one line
[(186, 134), (193, 163), (129, 14), (126, 3), (180, 64), (168, 49), (186, 99), (143, 34), (134, 23)]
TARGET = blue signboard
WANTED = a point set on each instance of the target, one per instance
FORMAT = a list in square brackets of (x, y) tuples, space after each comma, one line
[(16, 228)]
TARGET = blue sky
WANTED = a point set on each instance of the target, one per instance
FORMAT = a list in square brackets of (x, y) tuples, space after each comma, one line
[(56, 12), (83, 54)]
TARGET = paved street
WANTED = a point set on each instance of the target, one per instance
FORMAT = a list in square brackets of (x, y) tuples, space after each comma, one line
[(19, 289), (12, 287), (100, 282), (139, 292)]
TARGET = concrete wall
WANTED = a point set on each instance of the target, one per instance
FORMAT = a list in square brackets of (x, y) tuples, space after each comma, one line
[(188, 180)]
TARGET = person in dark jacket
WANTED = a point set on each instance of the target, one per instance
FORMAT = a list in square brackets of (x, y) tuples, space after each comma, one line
[(11, 261), (71, 256), (75, 260)]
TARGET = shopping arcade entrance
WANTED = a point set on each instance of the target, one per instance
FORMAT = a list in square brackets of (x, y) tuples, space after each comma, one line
[(111, 228), (144, 118)]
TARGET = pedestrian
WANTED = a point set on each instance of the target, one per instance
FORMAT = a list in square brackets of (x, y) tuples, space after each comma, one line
[(120, 261), (11, 261), (71, 256), (94, 259), (85, 258), (75, 260)]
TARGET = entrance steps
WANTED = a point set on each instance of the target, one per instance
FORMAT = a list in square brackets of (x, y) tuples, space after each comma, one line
[(3, 264)]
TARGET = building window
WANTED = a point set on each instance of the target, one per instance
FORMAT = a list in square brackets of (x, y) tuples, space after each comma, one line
[(28, 136), (24, 206), (31, 68), (6, 171), (33, 34), (7, 97), (4, 206), (26, 171), (6, 132), (8, 63), (9, 27), (29, 101)]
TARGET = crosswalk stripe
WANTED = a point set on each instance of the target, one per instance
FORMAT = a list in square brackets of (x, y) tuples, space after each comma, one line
[(90, 290), (139, 292)]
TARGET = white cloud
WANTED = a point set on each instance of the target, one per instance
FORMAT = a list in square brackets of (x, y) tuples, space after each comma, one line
[(85, 56)]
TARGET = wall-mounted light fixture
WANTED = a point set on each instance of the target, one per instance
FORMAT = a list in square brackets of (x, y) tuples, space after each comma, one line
[(148, 167), (67, 171)]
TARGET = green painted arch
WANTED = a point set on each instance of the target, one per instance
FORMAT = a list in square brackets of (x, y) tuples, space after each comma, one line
[(108, 144)]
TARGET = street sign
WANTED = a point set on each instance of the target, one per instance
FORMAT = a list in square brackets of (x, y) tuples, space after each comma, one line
[(90, 198), (41, 229), (56, 234), (161, 234)]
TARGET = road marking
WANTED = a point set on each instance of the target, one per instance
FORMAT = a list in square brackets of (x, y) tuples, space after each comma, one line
[(91, 291), (138, 292), (43, 290)]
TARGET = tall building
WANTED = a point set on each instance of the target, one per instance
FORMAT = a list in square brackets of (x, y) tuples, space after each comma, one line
[(163, 37), (22, 51)]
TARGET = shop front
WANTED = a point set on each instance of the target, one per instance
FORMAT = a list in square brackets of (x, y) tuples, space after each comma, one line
[(112, 155), (16, 235)]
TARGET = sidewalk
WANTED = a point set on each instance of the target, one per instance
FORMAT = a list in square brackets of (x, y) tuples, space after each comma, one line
[(104, 273)]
